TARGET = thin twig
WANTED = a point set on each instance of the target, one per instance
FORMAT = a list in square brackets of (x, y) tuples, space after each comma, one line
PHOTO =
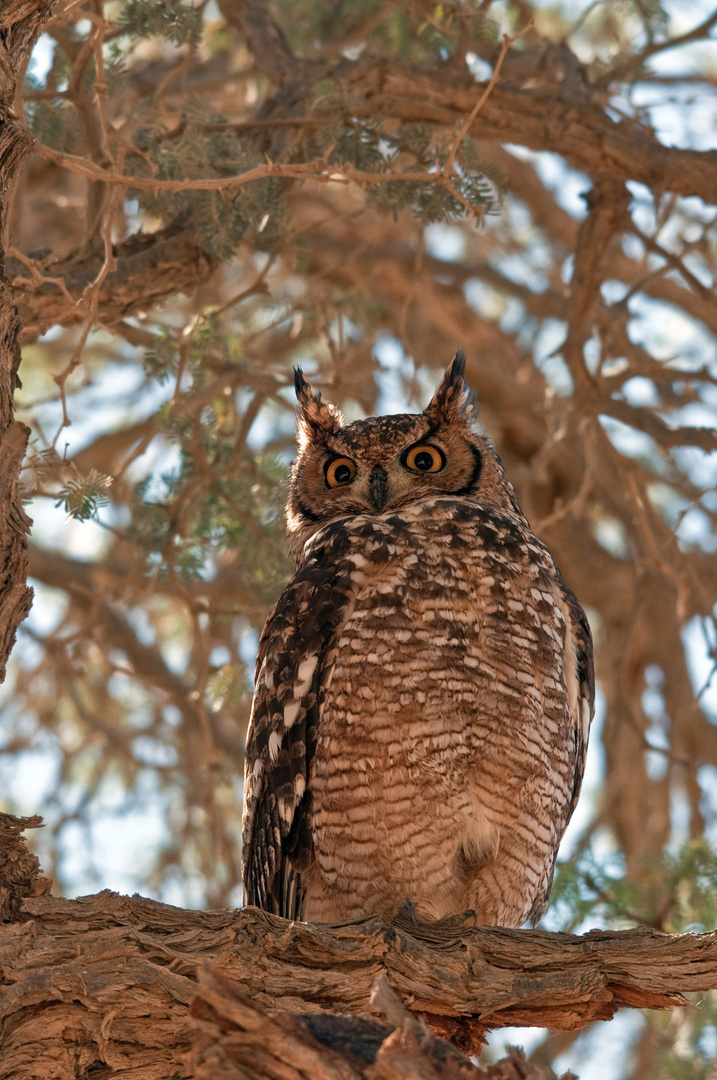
[(467, 124), (319, 171)]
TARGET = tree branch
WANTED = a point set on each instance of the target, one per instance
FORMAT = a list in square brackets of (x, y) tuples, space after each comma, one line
[(148, 268), (128, 967), (264, 38), (582, 134), (234, 1033), (608, 201), (19, 26)]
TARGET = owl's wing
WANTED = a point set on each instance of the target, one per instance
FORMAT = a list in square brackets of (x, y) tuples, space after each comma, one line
[(580, 680), (292, 667)]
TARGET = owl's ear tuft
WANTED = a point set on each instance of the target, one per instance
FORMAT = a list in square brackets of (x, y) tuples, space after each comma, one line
[(453, 400), (317, 418)]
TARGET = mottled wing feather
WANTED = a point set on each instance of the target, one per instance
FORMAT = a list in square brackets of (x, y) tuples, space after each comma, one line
[(291, 669), (581, 670)]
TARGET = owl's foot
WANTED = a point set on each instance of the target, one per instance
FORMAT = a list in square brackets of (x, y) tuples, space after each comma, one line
[(438, 931)]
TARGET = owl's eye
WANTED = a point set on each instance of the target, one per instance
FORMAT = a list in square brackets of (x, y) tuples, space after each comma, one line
[(424, 458), (338, 471)]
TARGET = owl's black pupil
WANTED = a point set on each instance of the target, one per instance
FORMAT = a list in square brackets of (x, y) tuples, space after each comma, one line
[(342, 473), (423, 461)]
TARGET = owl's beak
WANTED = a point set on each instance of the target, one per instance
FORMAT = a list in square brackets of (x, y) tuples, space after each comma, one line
[(378, 487)]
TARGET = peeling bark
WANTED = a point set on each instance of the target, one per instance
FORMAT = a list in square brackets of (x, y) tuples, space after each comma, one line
[(235, 1038), (20, 874)]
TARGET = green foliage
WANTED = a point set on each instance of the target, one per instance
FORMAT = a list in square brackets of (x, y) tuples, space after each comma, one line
[(254, 212), (161, 358), (41, 464), (361, 144), (477, 187), (174, 20), (54, 124), (675, 892), (367, 145), (210, 502), (417, 34), (224, 218), (82, 497), (196, 517), (205, 146)]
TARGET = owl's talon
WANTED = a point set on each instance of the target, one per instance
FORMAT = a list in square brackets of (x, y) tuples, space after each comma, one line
[(408, 910)]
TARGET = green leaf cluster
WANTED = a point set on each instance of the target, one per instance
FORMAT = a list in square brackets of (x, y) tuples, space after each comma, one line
[(161, 359), (368, 146), (224, 218), (211, 501), (173, 20), (82, 497), (674, 892)]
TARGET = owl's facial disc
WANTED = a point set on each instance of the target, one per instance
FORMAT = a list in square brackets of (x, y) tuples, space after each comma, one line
[(363, 469), (384, 463)]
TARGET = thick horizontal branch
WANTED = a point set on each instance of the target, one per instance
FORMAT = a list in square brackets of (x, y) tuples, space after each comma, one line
[(583, 134), (128, 984), (137, 958), (147, 269)]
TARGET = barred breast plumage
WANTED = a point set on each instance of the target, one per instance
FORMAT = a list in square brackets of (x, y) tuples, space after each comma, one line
[(424, 686)]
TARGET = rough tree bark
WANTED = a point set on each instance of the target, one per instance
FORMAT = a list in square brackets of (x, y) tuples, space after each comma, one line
[(19, 26), (110, 985), (148, 269)]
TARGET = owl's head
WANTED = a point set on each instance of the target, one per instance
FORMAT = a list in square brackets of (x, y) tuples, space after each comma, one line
[(376, 465)]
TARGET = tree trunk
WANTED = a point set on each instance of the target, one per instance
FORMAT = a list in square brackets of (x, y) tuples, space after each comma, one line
[(19, 26)]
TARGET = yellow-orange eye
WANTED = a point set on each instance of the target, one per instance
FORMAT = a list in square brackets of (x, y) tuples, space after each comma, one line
[(424, 458), (338, 471)]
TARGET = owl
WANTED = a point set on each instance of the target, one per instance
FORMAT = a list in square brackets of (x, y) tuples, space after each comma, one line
[(424, 686)]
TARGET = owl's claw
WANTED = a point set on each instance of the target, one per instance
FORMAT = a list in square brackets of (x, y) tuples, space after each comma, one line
[(409, 909)]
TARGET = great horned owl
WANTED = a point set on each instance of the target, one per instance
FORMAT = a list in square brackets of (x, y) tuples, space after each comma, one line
[(424, 686)]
